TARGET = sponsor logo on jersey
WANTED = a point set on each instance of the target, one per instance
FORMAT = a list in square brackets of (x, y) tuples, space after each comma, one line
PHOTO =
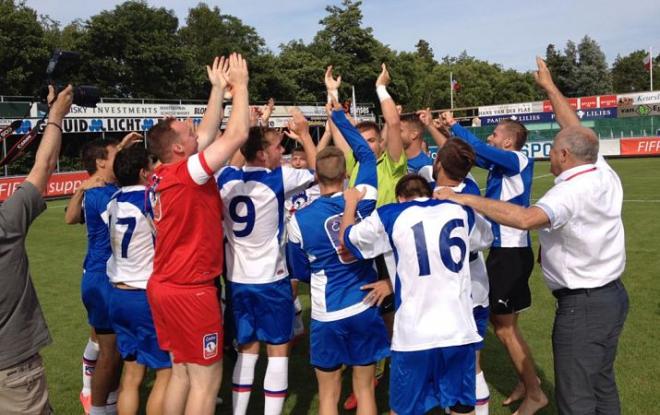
[(210, 345)]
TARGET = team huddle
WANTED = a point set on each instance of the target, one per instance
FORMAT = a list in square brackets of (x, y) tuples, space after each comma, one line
[(394, 262)]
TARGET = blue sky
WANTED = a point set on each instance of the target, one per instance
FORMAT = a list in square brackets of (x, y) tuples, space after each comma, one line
[(508, 32)]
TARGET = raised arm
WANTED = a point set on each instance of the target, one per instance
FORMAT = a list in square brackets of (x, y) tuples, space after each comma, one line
[(325, 138), (564, 114), (45, 160), (238, 126), (299, 131), (361, 150), (426, 117), (391, 116), (208, 128)]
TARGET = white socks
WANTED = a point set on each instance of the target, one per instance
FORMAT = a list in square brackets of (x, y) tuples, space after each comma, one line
[(483, 395), (242, 379), (276, 383), (90, 355)]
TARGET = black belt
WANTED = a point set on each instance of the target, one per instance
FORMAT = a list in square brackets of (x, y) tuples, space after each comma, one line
[(563, 292)]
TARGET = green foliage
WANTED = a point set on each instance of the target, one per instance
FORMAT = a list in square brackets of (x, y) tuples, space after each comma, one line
[(629, 74)]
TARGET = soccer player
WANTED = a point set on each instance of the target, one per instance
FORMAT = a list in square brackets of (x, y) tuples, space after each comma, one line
[(412, 137), (510, 260), (188, 256), (433, 355), (450, 170), (260, 295), (346, 329), (129, 268), (90, 206)]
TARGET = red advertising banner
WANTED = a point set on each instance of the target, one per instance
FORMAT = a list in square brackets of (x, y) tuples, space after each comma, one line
[(607, 101), (60, 184), (640, 146), (547, 106), (588, 102)]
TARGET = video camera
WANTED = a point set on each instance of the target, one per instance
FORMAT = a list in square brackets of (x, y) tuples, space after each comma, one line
[(58, 66)]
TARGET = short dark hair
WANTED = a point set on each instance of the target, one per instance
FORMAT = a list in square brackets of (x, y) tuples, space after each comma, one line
[(256, 142), (412, 185), (456, 158), (517, 130), (128, 163), (330, 165), (363, 126), (95, 150), (160, 138), (415, 123)]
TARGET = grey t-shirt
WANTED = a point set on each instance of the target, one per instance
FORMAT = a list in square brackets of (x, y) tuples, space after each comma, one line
[(23, 330)]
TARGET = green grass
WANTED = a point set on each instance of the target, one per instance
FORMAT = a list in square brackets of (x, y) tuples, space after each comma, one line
[(56, 252)]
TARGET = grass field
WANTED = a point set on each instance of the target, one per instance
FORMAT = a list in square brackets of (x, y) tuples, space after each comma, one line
[(56, 252)]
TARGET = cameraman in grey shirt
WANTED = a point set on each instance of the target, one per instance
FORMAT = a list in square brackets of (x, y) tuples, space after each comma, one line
[(23, 330)]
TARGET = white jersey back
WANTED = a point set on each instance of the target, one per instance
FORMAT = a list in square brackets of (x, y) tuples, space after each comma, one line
[(253, 214), (131, 237), (432, 240)]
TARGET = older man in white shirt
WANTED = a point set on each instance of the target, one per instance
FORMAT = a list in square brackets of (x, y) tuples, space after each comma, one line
[(582, 256)]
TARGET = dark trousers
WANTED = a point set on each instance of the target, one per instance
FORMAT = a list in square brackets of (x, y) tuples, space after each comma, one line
[(584, 342)]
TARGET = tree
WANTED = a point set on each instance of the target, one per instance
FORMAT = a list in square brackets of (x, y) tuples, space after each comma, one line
[(24, 52), (134, 51), (592, 76), (629, 74)]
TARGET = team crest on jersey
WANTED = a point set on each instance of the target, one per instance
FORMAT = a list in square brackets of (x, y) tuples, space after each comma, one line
[(332, 225), (298, 201), (210, 345)]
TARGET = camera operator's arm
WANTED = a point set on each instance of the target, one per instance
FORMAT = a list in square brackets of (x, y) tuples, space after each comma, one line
[(49, 150), (208, 128)]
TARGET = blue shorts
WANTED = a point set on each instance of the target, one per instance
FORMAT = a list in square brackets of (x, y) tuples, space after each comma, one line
[(481, 318), (358, 340), (263, 312), (131, 319), (427, 379), (95, 288)]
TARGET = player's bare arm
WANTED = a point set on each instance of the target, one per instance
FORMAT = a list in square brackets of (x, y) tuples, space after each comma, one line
[(426, 117), (390, 114), (220, 151), (208, 128), (299, 131)]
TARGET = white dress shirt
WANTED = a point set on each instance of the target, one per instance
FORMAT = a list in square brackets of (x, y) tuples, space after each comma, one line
[(584, 246)]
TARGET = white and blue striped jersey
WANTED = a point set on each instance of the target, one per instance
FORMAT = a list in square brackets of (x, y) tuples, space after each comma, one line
[(478, 272), (132, 236), (313, 240), (431, 240), (509, 179), (253, 214), (422, 164)]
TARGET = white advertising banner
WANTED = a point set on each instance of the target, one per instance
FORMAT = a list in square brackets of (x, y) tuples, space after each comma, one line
[(521, 108)]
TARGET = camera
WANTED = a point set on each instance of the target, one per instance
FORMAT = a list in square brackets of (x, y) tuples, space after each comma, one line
[(58, 66)]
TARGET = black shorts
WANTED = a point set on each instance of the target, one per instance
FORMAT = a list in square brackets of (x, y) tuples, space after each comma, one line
[(508, 275)]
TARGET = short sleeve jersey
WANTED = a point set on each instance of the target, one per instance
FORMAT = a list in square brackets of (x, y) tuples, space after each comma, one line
[(431, 240), (132, 236), (253, 200), (422, 164), (187, 214), (95, 203)]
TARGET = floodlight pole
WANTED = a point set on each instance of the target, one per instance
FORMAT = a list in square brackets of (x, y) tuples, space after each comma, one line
[(651, 67)]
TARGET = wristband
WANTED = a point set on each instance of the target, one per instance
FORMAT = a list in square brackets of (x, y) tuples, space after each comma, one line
[(381, 91), (333, 93), (56, 125)]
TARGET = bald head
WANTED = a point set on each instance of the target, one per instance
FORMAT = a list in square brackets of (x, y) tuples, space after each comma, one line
[(580, 141)]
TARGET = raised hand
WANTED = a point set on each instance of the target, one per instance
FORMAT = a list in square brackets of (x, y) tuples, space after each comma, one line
[(331, 84), (217, 72), (542, 75), (267, 110), (353, 195), (448, 118), (425, 116), (237, 75), (384, 77), (298, 125), (130, 139), (61, 104)]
